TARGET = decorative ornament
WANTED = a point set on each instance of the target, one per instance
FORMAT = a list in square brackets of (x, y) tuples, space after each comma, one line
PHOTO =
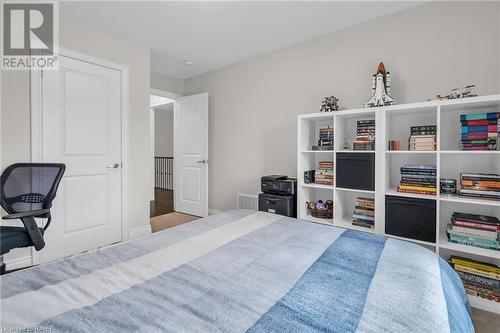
[(329, 104), (346, 143), (457, 93), (381, 89)]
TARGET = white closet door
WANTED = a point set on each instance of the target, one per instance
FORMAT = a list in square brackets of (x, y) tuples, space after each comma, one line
[(81, 112)]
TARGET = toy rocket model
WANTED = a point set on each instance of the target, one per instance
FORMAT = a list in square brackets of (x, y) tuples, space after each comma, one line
[(381, 89)]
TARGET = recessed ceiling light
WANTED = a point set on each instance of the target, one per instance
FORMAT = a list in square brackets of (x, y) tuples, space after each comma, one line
[(188, 62)]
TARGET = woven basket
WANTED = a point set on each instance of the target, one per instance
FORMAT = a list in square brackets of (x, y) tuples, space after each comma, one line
[(321, 213)]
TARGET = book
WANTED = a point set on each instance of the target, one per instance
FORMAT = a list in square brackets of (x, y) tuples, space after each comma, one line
[(475, 232), (475, 129), (474, 263), (480, 183), (482, 176), (418, 188), (475, 271), (414, 191), (485, 192), (479, 196), (477, 116), (473, 241), (478, 122), (482, 295), (482, 288), (474, 225), (491, 283)]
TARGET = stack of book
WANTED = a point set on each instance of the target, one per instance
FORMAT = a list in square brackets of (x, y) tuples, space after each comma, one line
[(480, 185), (325, 141), (480, 131), (422, 138), (480, 279), (474, 230), (419, 179), (324, 174), (364, 212), (365, 135)]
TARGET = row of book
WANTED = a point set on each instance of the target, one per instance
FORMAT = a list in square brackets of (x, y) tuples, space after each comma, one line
[(479, 131), (480, 279), (364, 212), (365, 135), (422, 138), (474, 230), (324, 173), (419, 179), (325, 141), (480, 185)]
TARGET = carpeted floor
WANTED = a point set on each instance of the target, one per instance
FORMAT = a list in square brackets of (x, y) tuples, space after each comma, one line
[(485, 322), (170, 220)]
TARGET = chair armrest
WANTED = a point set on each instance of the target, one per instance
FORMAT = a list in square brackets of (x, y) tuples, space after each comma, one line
[(31, 213)]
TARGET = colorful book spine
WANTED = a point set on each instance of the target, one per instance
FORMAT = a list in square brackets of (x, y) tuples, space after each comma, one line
[(491, 283), (489, 115), (473, 241), (475, 271), (475, 225), (475, 232), (476, 264)]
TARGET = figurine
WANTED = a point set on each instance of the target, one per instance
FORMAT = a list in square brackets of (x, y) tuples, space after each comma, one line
[(381, 88), (329, 104), (457, 93), (346, 143)]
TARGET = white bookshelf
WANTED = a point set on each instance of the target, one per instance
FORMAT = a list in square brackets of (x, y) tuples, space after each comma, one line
[(393, 122)]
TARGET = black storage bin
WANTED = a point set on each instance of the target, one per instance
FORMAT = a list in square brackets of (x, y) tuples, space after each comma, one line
[(356, 171), (278, 204), (410, 218)]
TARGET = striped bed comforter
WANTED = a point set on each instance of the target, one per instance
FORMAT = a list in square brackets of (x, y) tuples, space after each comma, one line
[(241, 271)]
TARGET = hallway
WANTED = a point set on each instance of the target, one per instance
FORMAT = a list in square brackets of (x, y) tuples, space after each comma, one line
[(163, 203)]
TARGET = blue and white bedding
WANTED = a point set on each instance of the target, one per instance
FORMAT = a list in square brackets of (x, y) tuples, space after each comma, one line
[(242, 271)]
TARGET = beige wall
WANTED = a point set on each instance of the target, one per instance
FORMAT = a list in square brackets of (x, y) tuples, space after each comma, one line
[(253, 105), (15, 113), (167, 83)]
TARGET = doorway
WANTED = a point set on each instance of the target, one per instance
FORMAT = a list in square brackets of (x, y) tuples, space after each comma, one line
[(179, 155), (162, 136)]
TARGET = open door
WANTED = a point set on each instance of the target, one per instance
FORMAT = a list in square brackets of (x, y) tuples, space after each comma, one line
[(191, 155)]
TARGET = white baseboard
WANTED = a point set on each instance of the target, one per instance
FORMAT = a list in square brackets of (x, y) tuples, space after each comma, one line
[(139, 232), (213, 211), (18, 263)]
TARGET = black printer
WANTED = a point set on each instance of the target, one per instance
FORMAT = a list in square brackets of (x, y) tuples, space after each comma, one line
[(279, 195)]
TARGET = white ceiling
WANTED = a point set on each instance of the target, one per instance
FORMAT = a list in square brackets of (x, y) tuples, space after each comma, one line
[(216, 34)]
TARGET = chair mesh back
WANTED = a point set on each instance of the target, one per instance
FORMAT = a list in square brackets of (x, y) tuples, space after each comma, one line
[(29, 186)]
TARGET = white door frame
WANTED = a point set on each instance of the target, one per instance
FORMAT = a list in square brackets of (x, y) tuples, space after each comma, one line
[(163, 93), (36, 128), (166, 94)]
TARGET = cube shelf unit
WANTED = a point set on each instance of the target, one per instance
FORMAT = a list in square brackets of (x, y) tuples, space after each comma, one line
[(393, 123)]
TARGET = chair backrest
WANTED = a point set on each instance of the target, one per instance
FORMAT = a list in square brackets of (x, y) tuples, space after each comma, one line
[(29, 186)]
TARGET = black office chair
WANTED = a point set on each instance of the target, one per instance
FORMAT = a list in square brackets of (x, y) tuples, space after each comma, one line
[(26, 192)]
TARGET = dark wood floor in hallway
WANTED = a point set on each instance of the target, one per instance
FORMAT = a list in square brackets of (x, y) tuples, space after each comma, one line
[(163, 203)]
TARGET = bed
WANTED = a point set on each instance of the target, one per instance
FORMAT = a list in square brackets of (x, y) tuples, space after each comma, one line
[(242, 271)]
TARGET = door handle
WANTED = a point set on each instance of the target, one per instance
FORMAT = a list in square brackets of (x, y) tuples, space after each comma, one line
[(114, 166), (203, 161)]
